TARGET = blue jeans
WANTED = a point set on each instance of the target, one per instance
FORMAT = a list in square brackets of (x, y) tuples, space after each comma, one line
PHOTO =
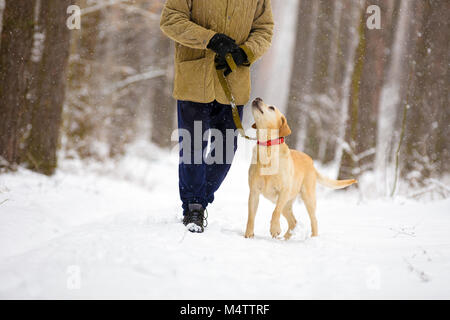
[(199, 180)]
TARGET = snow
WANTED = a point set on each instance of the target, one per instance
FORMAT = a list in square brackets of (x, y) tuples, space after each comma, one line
[(113, 230)]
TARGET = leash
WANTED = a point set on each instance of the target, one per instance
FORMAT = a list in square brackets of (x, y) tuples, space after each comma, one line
[(226, 88)]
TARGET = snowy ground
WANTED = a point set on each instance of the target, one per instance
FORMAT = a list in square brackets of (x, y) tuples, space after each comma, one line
[(114, 231)]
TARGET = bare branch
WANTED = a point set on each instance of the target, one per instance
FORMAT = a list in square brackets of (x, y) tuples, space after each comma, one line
[(136, 78), (140, 11)]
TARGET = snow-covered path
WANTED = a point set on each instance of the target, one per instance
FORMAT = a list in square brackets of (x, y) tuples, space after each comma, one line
[(118, 235)]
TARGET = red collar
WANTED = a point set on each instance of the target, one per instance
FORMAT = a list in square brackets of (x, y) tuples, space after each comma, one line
[(271, 142)]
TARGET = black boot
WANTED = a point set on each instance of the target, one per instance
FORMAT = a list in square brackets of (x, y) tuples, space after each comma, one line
[(194, 219)]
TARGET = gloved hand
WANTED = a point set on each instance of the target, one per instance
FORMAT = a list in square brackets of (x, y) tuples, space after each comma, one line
[(222, 64), (239, 58), (222, 44)]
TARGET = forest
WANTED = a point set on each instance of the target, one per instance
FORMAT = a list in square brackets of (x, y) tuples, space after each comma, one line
[(358, 98)]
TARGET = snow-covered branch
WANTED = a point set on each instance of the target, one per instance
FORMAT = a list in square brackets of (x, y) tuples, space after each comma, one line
[(136, 78)]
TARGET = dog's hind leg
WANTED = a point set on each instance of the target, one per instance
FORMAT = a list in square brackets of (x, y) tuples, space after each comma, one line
[(253, 201), (308, 194), (289, 215)]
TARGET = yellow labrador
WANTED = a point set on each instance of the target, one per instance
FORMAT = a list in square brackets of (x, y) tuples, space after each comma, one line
[(281, 174)]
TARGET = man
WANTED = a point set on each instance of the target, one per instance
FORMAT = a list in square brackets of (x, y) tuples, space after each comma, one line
[(205, 32)]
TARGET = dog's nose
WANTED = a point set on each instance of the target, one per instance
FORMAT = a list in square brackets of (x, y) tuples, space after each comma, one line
[(257, 104), (257, 101)]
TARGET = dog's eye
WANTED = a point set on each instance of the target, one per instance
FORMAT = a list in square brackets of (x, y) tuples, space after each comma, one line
[(272, 108)]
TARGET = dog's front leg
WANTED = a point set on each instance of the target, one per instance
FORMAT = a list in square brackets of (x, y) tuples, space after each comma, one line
[(253, 201), (275, 228)]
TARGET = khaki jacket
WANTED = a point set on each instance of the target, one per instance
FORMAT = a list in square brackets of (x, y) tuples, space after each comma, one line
[(192, 24)]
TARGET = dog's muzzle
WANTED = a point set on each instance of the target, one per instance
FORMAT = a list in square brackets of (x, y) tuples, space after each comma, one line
[(257, 104)]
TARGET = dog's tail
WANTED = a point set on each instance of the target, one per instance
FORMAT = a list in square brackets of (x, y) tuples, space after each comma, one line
[(334, 184)]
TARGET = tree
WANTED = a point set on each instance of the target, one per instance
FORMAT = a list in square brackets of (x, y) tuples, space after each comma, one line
[(302, 75), (80, 117), (320, 112), (367, 83), (425, 153), (396, 84), (50, 81), (347, 45), (15, 52), (163, 110)]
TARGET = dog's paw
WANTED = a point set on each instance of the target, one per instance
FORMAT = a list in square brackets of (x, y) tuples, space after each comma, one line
[(249, 235), (287, 235), (299, 232), (275, 230)]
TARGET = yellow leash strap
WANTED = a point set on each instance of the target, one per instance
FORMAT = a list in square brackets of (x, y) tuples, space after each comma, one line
[(231, 62), (226, 88)]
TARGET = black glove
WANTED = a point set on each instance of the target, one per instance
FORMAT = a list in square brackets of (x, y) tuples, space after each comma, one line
[(222, 44), (221, 64), (239, 57)]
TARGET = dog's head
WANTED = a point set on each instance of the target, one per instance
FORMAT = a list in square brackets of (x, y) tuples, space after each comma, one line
[(269, 118)]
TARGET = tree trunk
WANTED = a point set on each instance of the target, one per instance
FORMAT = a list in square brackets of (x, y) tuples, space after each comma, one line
[(318, 112), (15, 52), (2, 8), (328, 145), (83, 84), (50, 80), (348, 43), (393, 93), (163, 109), (302, 74), (426, 140), (349, 162), (367, 84)]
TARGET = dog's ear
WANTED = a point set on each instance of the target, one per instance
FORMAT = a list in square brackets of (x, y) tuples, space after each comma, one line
[(284, 129), (254, 126)]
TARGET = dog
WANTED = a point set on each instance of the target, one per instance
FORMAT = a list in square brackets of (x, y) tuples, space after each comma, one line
[(281, 174)]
